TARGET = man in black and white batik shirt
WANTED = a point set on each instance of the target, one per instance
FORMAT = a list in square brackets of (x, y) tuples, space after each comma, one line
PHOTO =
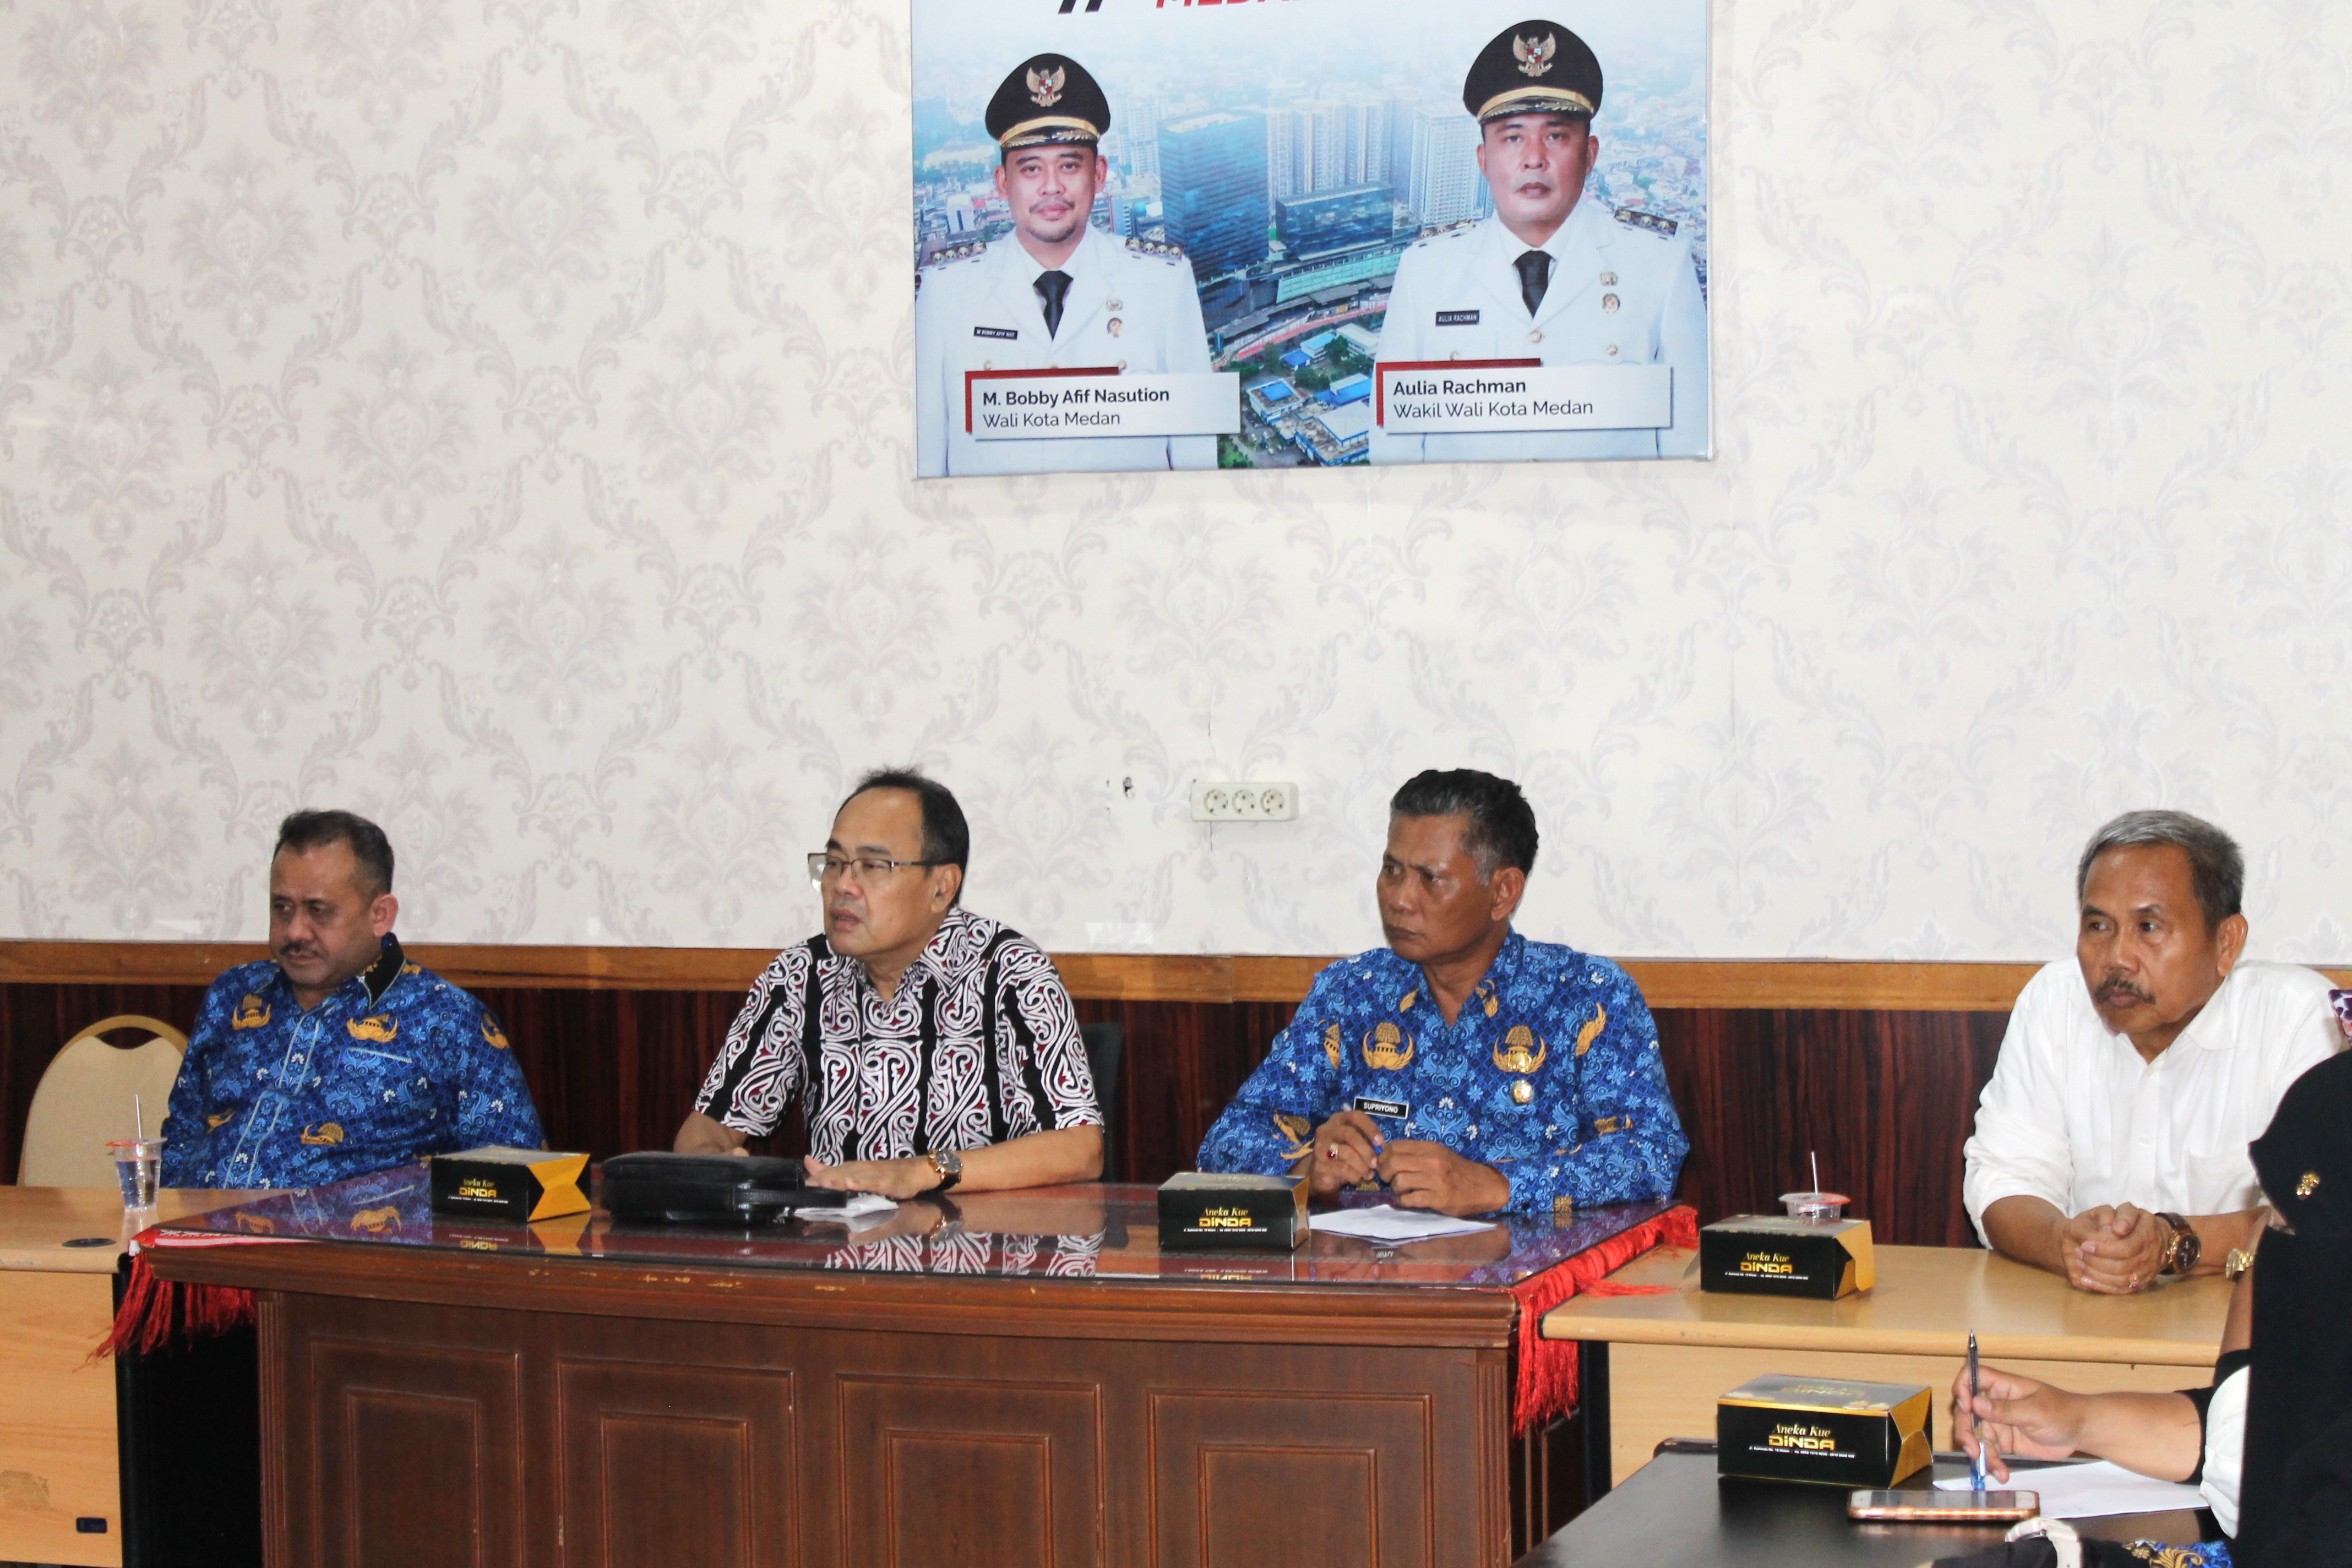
[(933, 1047)]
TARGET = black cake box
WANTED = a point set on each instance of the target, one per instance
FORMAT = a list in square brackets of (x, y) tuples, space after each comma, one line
[(1773, 1255), (1820, 1429), (519, 1185), (1201, 1210)]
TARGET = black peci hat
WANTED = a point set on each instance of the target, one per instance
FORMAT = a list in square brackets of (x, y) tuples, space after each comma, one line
[(1536, 67), (1048, 98)]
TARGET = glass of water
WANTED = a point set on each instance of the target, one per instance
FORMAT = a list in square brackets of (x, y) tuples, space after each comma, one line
[(139, 1163)]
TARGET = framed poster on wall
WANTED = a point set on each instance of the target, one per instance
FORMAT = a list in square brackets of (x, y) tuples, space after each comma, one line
[(1155, 234)]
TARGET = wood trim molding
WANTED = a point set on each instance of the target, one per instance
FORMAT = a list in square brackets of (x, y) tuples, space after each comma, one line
[(1139, 1309), (1811, 984), (1834, 984)]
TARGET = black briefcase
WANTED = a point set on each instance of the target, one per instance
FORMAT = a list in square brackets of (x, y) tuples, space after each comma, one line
[(662, 1188)]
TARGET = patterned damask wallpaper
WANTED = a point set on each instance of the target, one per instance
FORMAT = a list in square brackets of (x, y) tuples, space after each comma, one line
[(493, 414)]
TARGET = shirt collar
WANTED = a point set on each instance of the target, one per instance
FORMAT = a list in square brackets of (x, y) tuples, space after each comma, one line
[(374, 980), (1485, 995), (1032, 268), (379, 975), (2215, 1027), (938, 958)]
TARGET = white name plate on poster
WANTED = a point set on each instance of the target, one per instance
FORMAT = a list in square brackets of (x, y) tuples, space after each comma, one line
[(1055, 406), (1468, 398)]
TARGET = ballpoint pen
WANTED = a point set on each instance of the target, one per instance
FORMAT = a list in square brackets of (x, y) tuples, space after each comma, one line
[(1978, 1479)]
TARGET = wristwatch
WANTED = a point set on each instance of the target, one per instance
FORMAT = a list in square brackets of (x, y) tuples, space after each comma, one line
[(950, 1166), (2181, 1252)]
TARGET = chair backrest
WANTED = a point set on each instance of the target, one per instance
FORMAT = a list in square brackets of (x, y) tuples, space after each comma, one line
[(84, 1100), (1106, 1045)]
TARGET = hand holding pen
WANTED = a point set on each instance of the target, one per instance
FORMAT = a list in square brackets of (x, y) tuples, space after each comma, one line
[(1978, 1479)]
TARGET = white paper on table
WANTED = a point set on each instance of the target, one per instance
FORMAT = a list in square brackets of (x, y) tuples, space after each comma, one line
[(1385, 1222), (2092, 1490), (862, 1211)]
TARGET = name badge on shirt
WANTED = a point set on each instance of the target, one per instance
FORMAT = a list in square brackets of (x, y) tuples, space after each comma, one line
[(1395, 1109), (1457, 317), (996, 332)]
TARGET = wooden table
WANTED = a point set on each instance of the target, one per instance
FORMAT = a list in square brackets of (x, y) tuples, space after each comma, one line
[(1044, 1387), (1669, 1357), (58, 1454)]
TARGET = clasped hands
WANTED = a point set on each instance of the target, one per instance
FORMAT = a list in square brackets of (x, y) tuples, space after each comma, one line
[(1350, 1148), (2112, 1250)]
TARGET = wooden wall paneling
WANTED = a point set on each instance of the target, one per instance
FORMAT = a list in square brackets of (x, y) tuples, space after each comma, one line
[(1886, 1099), (1828, 984), (1184, 1061)]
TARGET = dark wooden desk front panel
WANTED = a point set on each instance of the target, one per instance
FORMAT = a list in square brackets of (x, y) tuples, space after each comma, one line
[(513, 1410)]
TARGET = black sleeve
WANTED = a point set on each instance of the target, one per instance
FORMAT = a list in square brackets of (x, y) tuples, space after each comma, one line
[(2203, 1399)]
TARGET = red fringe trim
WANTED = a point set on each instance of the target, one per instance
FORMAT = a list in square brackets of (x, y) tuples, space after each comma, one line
[(156, 1314), (1548, 1368)]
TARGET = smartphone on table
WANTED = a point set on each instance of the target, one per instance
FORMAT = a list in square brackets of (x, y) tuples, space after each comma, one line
[(1945, 1508)]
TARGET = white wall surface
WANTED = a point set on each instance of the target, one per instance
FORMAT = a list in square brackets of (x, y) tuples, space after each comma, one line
[(494, 417)]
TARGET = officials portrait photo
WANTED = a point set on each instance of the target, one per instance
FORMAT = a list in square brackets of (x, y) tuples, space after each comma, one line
[(1552, 276), (1056, 293)]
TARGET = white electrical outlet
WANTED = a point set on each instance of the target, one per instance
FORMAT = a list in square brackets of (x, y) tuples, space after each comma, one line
[(1225, 801)]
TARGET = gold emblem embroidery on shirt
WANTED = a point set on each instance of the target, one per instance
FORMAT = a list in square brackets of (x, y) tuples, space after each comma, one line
[(1405, 1002), (1522, 1051), (1484, 992), (257, 1225), (375, 1222), (1388, 1047), (494, 1034), (325, 1134), (1591, 1030), (2165, 1556), (1332, 1045), (219, 1119), (251, 1014), (1298, 1129), (379, 1028)]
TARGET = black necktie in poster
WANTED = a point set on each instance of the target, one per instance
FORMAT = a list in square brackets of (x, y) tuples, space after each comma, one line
[(1052, 288), (1535, 277)]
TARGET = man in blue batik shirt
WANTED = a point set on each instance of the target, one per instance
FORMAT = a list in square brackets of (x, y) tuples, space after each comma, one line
[(1466, 1068), (341, 1058)]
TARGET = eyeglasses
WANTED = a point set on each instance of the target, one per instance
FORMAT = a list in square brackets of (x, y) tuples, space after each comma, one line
[(823, 867)]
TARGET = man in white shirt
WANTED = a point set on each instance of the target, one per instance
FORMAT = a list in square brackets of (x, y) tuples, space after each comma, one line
[(2110, 1145)]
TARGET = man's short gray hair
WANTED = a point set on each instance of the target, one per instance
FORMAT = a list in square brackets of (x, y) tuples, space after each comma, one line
[(2217, 869)]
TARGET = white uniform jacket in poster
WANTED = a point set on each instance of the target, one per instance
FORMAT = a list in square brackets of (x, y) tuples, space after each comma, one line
[(1623, 292), (1131, 304)]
